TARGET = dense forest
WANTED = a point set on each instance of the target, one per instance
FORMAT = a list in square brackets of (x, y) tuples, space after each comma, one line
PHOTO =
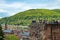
[(25, 17)]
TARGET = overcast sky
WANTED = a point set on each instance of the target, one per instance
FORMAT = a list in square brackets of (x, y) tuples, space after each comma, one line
[(11, 7)]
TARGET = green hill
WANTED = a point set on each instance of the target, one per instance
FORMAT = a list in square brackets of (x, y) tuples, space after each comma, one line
[(56, 10), (25, 18)]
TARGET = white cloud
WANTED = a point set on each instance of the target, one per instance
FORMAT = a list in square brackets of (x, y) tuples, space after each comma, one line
[(0, 17), (1, 10), (16, 7)]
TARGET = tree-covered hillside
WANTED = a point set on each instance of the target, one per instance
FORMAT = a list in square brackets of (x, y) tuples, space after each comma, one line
[(56, 10), (25, 18)]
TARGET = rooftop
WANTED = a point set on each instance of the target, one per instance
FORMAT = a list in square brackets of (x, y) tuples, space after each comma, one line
[(7, 31)]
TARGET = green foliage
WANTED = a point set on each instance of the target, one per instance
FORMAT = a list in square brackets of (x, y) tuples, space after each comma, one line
[(1, 33), (11, 37), (56, 10), (25, 18)]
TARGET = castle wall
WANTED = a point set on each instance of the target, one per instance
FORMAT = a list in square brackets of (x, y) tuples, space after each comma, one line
[(52, 32), (45, 31)]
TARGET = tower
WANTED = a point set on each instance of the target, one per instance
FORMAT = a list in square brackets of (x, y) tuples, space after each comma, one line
[(5, 24)]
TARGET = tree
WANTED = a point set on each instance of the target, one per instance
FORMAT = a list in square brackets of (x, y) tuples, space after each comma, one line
[(11, 37), (1, 33)]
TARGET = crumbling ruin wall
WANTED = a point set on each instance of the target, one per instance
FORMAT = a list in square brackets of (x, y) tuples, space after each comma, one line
[(36, 30), (44, 30)]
